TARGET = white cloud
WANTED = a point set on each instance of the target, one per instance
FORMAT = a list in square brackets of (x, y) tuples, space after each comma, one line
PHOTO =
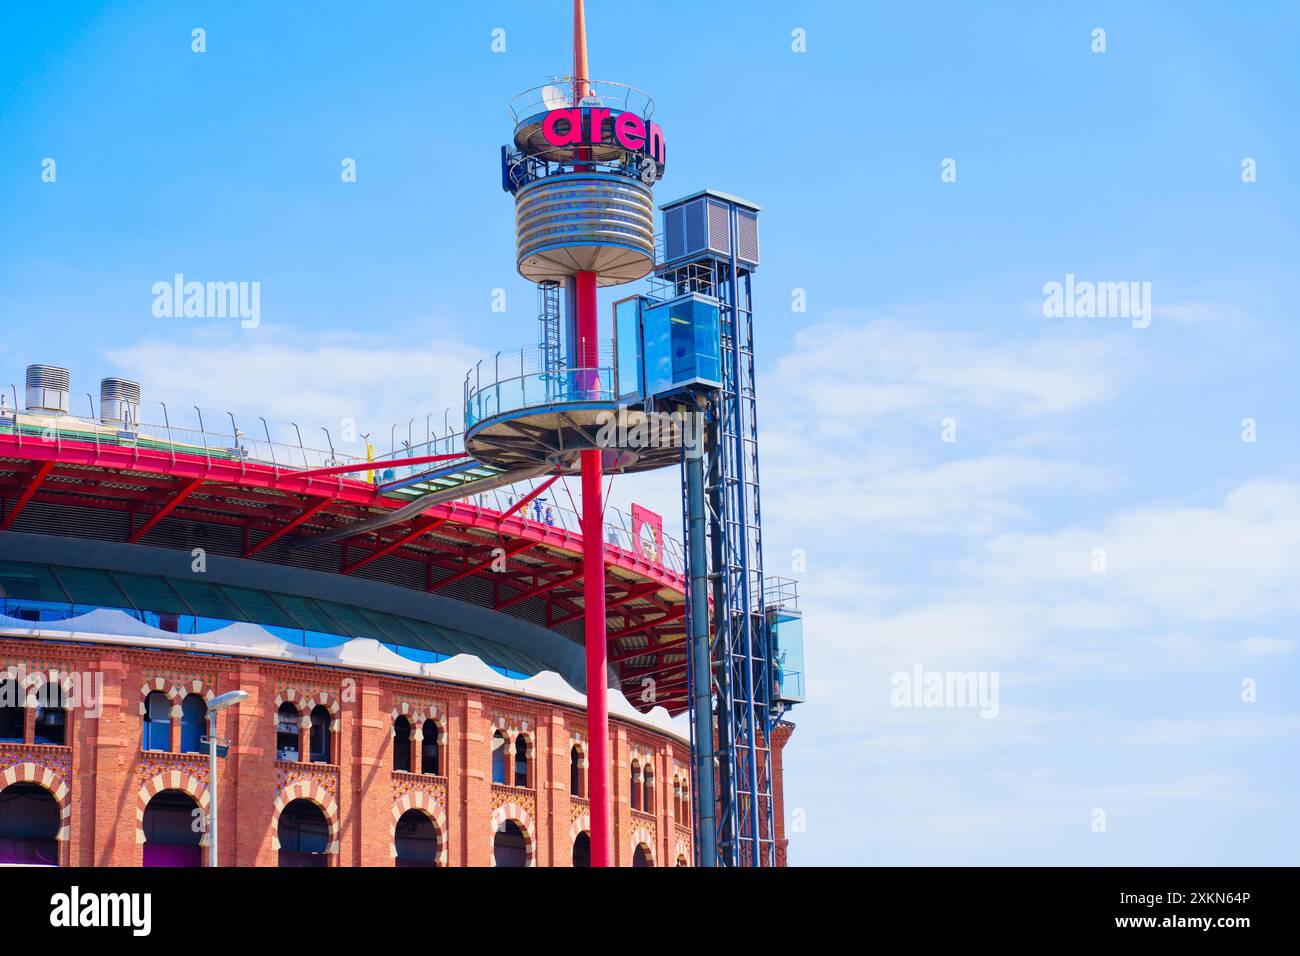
[(848, 369), (313, 379), (1266, 646)]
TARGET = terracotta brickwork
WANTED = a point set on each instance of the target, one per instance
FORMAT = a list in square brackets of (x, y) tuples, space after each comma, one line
[(103, 781)]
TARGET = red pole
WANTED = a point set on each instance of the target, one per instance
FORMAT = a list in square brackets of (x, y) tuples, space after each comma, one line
[(593, 599), (593, 522), (593, 587)]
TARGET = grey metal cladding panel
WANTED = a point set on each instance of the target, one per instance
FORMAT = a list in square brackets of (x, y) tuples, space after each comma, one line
[(674, 234), (696, 227), (747, 236), (718, 227)]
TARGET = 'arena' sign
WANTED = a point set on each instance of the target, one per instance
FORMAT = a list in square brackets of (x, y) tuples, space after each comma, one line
[(591, 126)]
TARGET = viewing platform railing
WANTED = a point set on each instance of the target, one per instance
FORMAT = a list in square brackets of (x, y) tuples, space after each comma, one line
[(193, 431)]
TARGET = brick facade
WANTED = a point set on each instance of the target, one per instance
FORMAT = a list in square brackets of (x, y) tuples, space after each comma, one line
[(103, 780)]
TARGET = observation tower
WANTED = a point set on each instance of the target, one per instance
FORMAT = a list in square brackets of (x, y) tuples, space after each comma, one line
[(678, 380)]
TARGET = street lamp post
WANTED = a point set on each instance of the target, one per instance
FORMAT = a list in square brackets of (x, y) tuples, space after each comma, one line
[(216, 704)]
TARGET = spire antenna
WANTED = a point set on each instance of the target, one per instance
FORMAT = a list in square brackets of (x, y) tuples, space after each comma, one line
[(580, 73)]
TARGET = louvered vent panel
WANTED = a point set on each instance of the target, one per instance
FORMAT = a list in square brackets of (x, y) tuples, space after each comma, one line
[(747, 236), (718, 228)]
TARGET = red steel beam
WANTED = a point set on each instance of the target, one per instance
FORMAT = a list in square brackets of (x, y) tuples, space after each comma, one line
[(38, 476), (393, 545), (522, 502), (303, 516), (646, 651), (186, 490), (475, 568), (373, 465), (672, 615), (540, 589), (631, 595)]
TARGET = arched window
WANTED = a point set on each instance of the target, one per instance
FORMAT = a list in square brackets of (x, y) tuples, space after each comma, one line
[(157, 722), (13, 715), (521, 761), (29, 826), (582, 849), (648, 790), (575, 772), (320, 734), (417, 840), (685, 816), (641, 856), (51, 718), (510, 846), (288, 728), (304, 835), (429, 747), (173, 830), (677, 800), (681, 860), (499, 757), (634, 790), (402, 745), (194, 714)]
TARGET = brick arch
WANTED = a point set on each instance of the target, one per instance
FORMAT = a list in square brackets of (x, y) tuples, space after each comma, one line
[(531, 749), (417, 716), (519, 815), (306, 703), (580, 825), (307, 790), (34, 681), (171, 780), (681, 850), (50, 781), (425, 804), (640, 836)]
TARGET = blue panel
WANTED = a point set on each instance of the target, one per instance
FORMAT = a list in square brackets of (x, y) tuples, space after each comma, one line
[(787, 654), (630, 384), (683, 348)]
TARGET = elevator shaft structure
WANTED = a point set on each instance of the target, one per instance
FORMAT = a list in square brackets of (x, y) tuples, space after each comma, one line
[(710, 252)]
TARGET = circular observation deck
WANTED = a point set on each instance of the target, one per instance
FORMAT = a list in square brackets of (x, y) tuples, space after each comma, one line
[(520, 413), (529, 110)]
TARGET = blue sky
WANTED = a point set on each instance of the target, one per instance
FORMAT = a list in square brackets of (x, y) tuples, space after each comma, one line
[(1119, 690)]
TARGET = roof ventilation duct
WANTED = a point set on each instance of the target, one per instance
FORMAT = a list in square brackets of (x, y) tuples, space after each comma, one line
[(119, 403), (47, 389)]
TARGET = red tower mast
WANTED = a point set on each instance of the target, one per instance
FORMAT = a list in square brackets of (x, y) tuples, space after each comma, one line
[(593, 513)]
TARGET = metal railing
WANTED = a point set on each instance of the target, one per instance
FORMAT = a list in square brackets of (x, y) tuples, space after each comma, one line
[(282, 445), (558, 508), (515, 380), (557, 94)]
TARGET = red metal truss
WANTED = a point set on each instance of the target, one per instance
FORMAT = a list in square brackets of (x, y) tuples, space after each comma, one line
[(302, 517), (187, 489), (38, 477), (456, 538), (421, 527), (569, 578), (480, 565)]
